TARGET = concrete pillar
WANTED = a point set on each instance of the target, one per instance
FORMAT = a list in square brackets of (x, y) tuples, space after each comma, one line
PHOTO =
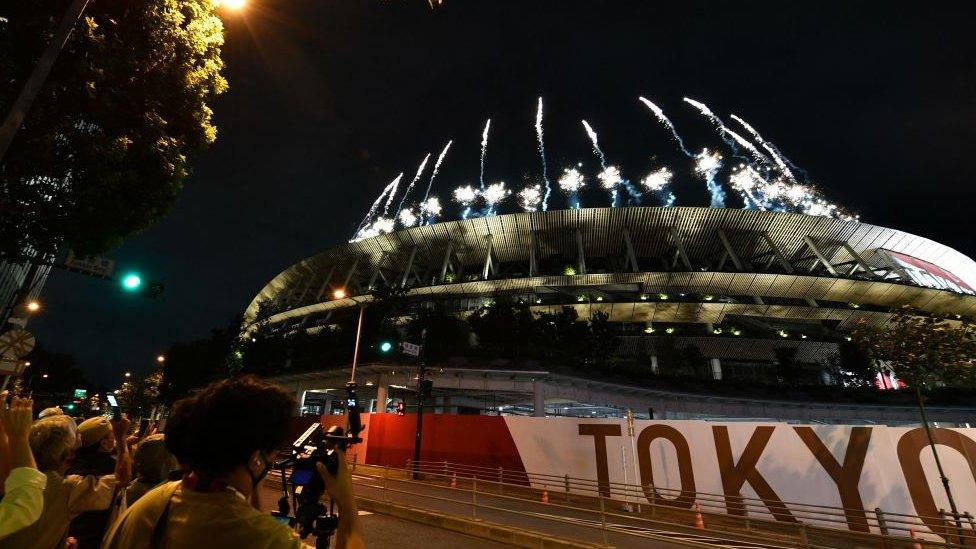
[(716, 368), (654, 367), (381, 395), (538, 400)]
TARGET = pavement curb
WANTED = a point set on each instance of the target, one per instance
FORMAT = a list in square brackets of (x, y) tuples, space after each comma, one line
[(511, 535)]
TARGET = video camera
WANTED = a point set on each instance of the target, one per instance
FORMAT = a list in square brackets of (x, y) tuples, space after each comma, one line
[(317, 446)]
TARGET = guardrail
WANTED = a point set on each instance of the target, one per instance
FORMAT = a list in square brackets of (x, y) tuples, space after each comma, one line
[(826, 521)]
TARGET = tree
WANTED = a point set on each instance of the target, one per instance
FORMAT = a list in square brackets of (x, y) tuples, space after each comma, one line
[(926, 351), (850, 366), (108, 142)]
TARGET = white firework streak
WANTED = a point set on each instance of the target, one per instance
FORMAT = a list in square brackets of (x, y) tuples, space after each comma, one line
[(484, 150), (778, 157), (667, 123), (364, 224), (413, 182), (530, 198), (437, 168), (389, 200), (542, 155), (707, 113), (596, 144), (748, 146)]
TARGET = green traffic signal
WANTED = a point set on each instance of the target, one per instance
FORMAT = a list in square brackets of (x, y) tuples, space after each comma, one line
[(131, 282), (386, 346)]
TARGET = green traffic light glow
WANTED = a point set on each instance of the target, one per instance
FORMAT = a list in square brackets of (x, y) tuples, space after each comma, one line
[(386, 347), (131, 281)]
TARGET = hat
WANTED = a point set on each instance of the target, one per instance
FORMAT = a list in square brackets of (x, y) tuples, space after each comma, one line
[(93, 430), (152, 461), (53, 411)]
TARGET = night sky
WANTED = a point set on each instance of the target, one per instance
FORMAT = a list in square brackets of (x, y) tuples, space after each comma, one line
[(330, 99)]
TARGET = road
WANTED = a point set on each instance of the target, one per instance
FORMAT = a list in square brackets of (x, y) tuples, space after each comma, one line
[(383, 531), (575, 524)]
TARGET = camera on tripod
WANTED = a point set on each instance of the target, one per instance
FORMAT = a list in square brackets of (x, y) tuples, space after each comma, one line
[(316, 446)]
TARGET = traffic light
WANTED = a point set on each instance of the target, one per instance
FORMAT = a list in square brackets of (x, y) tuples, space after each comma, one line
[(134, 284), (386, 346)]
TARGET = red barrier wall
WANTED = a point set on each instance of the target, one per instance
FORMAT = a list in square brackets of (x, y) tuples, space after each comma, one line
[(483, 441)]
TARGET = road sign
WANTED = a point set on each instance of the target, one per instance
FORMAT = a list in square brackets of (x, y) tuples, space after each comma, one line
[(411, 349), (16, 343), (91, 265)]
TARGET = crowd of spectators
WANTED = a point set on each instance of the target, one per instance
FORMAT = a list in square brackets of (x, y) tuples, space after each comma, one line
[(87, 483)]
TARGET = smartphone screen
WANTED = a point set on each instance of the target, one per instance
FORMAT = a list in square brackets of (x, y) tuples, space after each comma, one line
[(112, 401)]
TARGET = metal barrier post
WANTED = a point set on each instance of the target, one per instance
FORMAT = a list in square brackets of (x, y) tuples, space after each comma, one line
[(474, 497), (603, 520), (567, 488), (882, 524), (803, 534), (942, 515), (386, 477)]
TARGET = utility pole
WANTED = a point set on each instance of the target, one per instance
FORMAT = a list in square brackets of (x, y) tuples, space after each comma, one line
[(421, 396)]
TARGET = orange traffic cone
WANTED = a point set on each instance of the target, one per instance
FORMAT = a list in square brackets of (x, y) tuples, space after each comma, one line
[(545, 494), (699, 520), (911, 534), (454, 480)]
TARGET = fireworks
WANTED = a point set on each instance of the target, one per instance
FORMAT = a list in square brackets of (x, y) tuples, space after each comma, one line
[(530, 198), (413, 181), (542, 155), (667, 123), (596, 144), (657, 180), (707, 165), (407, 217), (764, 179), (495, 193), (465, 195), (437, 168), (484, 151), (393, 190), (571, 181), (610, 178), (430, 208)]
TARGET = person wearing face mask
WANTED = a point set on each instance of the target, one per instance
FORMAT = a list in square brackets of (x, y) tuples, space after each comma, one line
[(96, 456), (225, 438)]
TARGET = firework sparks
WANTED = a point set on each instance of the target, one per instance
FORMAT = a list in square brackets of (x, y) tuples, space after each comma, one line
[(745, 144), (413, 181), (707, 165), (465, 195), (722, 130), (495, 193), (596, 144), (407, 217), (530, 198), (750, 184), (484, 151), (542, 155), (778, 157), (437, 168), (389, 199), (430, 208), (667, 123), (571, 182), (657, 180), (364, 224)]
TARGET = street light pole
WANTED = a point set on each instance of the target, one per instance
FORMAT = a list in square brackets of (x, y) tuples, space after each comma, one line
[(421, 386), (37, 77)]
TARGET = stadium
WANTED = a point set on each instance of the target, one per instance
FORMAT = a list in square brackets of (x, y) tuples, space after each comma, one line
[(745, 291)]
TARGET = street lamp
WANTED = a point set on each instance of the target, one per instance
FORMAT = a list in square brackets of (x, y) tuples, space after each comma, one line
[(128, 374), (33, 306), (339, 293), (44, 376), (230, 4), (160, 358)]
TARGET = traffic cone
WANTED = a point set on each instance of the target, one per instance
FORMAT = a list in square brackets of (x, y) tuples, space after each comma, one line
[(454, 480), (699, 520), (911, 534), (545, 494)]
